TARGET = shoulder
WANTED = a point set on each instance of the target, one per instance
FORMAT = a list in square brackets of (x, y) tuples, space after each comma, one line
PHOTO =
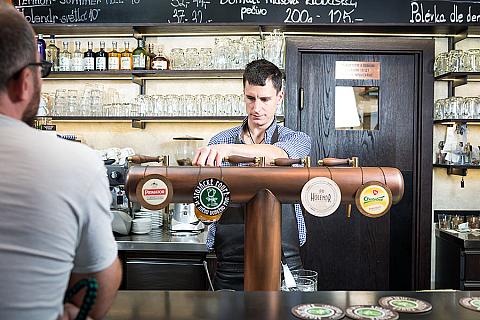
[(289, 134), (226, 137)]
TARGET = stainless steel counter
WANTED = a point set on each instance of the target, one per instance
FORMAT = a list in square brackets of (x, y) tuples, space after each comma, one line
[(161, 240)]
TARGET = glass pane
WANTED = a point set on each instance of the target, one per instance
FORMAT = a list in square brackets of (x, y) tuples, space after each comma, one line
[(356, 108)]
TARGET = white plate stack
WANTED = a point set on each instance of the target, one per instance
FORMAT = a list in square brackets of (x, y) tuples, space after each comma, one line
[(141, 225), (156, 216)]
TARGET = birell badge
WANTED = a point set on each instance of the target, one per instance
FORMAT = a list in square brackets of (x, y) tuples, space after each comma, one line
[(373, 199), (321, 196), (211, 198), (154, 192)]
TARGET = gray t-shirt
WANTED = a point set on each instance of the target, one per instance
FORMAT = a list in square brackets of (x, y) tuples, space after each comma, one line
[(54, 219)]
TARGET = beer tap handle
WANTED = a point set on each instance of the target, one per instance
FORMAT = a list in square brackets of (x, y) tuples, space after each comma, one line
[(332, 162), (240, 159), (286, 162), (139, 159)]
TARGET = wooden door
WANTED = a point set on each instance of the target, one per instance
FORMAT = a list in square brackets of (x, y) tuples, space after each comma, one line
[(360, 253)]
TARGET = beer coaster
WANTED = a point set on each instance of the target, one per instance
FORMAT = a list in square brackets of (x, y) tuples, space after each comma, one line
[(373, 199), (321, 196), (371, 313), (317, 311), (405, 304), (154, 192), (471, 303), (211, 197)]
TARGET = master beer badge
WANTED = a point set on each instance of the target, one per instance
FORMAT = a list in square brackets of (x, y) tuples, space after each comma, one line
[(211, 198)]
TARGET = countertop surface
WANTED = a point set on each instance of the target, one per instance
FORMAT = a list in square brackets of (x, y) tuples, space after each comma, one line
[(468, 240), (161, 240), (183, 305)]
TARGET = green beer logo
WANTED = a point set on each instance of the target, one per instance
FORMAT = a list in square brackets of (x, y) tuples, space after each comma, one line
[(211, 197)]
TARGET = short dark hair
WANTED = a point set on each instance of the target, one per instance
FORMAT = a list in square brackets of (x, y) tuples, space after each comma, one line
[(17, 43), (258, 71)]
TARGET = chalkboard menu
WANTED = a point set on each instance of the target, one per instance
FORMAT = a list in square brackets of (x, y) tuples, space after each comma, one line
[(266, 12)]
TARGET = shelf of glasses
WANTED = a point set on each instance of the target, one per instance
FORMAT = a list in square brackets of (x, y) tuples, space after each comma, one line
[(459, 78), (145, 74), (453, 121), (457, 169)]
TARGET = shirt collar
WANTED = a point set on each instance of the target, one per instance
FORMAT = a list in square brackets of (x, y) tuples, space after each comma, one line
[(268, 133)]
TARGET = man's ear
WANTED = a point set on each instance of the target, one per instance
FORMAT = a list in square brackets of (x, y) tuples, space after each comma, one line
[(19, 87)]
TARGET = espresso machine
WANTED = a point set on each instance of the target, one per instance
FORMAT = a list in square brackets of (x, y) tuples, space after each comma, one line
[(183, 217)]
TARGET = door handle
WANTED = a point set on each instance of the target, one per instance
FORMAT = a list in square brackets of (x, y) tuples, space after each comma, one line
[(302, 99)]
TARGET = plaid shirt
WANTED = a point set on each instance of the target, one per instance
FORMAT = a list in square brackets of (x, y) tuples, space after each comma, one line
[(295, 143)]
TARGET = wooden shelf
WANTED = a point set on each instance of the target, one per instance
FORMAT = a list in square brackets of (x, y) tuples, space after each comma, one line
[(148, 119), (459, 78), (457, 169), (145, 74), (452, 121)]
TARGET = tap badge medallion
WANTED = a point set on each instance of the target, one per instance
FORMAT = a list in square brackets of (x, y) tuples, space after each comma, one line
[(315, 311), (373, 199), (154, 192), (211, 198), (321, 196)]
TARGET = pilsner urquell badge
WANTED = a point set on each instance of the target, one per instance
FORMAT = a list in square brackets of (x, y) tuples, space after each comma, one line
[(472, 303), (211, 198), (321, 196), (371, 313), (315, 311), (405, 304), (373, 199)]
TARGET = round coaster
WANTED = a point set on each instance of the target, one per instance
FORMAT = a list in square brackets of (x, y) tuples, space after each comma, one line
[(154, 192), (405, 304), (371, 313), (373, 199), (471, 303), (321, 196), (211, 198), (317, 311)]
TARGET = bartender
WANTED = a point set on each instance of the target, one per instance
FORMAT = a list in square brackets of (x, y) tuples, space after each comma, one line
[(258, 136)]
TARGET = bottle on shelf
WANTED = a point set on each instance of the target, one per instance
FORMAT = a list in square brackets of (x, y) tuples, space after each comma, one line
[(89, 58), (151, 54), (77, 58), (64, 58), (160, 62), (51, 53), (140, 56), (41, 46), (126, 58), (114, 58), (101, 58)]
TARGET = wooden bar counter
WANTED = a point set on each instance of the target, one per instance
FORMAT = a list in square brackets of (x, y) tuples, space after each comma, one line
[(274, 305)]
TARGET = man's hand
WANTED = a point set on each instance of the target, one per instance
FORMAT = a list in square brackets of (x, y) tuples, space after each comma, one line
[(211, 155)]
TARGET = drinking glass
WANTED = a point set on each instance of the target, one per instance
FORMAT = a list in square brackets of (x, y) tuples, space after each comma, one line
[(441, 64), (455, 61), (60, 102), (444, 221), (205, 58), (177, 59), (473, 222), (456, 220), (308, 274), (303, 284), (192, 59)]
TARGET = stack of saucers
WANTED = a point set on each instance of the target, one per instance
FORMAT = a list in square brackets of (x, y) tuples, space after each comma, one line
[(141, 225), (156, 216)]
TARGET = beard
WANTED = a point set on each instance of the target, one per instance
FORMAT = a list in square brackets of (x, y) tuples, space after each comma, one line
[(30, 112)]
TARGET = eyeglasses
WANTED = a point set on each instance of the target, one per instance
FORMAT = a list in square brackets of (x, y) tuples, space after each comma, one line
[(45, 65)]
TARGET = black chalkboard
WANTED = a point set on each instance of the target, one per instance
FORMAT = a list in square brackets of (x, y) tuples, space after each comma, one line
[(279, 12)]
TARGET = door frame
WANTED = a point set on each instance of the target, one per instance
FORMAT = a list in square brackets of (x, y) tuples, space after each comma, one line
[(423, 50)]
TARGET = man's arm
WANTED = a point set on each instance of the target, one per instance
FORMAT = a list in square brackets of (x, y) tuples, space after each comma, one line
[(108, 283), (213, 155)]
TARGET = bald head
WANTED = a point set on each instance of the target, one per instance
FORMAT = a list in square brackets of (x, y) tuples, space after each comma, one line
[(17, 43)]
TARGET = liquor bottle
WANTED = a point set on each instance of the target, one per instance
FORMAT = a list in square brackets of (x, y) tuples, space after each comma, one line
[(140, 56), (114, 57), (77, 58), (101, 58), (64, 58), (51, 53), (89, 58), (148, 60), (41, 45), (151, 53), (160, 62), (126, 58)]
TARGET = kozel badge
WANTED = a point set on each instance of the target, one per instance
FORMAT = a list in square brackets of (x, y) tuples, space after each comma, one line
[(211, 197), (321, 196), (315, 311), (154, 192), (371, 313), (373, 199), (405, 304)]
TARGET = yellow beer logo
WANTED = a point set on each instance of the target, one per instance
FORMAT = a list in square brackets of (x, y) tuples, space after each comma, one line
[(374, 200)]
